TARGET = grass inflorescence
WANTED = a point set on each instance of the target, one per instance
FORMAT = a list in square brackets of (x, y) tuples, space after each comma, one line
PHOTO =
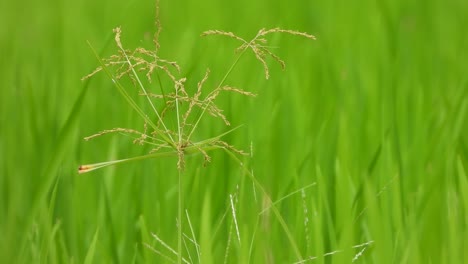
[(181, 102)]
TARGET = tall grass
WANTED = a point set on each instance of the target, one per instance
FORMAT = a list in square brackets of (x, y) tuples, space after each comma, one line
[(371, 118)]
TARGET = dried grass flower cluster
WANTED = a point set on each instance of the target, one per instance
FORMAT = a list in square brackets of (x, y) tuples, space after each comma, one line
[(181, 102), (259, 44)]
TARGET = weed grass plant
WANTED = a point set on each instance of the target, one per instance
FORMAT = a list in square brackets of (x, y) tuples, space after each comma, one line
[(177, 106)]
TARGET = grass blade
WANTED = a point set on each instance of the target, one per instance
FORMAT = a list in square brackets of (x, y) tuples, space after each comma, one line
[(92, 249)]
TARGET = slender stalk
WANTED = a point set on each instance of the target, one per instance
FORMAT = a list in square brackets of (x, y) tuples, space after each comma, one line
[(180, 206), (231, 68), (181, 157), (178, 114), (193, 236)]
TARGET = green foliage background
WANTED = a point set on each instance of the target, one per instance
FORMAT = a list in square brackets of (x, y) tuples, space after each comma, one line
[(374, 112)]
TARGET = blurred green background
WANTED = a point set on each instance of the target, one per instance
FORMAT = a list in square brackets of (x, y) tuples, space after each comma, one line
[(374, 112)]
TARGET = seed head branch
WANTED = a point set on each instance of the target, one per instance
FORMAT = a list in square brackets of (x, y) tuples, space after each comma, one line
[(258, 44)]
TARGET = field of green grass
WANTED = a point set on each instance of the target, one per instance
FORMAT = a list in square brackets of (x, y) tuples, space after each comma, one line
[(361, 142)]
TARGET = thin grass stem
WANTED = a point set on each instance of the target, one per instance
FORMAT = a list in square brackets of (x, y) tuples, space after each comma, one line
[(180, 206), (275, 210), (286, 196), (169, 248), (193, 236)]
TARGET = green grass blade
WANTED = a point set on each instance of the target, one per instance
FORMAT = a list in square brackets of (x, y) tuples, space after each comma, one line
[(48, 174), (92, 249)]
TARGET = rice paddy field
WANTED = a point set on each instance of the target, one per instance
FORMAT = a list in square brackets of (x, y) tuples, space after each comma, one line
[(357, 151)]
